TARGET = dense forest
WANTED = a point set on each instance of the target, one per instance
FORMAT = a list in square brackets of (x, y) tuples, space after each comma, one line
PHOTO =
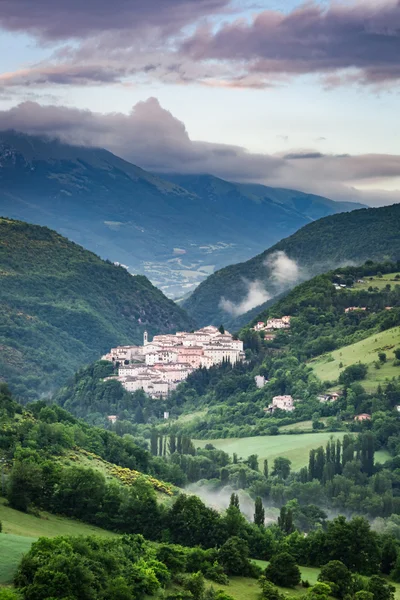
[(325, 244), (194, 542), (62, 306)]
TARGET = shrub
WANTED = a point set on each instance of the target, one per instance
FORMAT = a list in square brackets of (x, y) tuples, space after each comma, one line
[(283, 571)]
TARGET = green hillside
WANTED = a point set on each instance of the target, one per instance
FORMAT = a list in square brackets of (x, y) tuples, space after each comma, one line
[(62, 306), (325, 244), (329, 366), (294, 447)]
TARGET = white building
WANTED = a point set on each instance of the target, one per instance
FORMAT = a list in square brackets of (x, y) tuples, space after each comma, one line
[(282, 402), (159, 366)]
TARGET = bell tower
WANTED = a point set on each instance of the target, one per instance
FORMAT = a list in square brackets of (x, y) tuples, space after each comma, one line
[(145, 338)]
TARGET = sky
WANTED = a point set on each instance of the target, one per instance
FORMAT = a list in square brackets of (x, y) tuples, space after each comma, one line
[(285, 93)]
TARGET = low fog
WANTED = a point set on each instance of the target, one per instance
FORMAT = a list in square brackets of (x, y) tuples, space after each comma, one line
[(219, 500), (282, 272)]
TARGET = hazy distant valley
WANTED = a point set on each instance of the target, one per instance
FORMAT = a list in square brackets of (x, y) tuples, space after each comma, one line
[(176, 229)]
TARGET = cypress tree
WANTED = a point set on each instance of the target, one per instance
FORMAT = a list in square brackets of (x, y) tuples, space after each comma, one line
[(172, 443), (266, 473), (234, 501), (153, 442), (160, 445), (259, 512)]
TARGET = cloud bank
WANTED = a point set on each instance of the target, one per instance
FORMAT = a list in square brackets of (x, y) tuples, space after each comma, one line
[(154, 139), (183, 41)]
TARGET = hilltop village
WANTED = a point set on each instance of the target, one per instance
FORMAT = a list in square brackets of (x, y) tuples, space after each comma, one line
[(159, 366)]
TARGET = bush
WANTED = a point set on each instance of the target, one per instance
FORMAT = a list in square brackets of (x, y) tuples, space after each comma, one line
[(338, 576), (283, 571), (353, 373), (268, 590)]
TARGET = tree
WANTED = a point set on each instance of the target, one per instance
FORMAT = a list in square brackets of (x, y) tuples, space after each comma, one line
[(234, 501), (283, 571), (353, 373), (252, 462), (259, 512), (172, 443), (221, 329), (367, 442), (281, 467), (338, 576), (285, 520), (242, 479), (234, 556), (380, 588), (382, 357), (397, 353), (154, 442), (195, 584), (265, 469), (319, 591), (389, 556), (24, 484)]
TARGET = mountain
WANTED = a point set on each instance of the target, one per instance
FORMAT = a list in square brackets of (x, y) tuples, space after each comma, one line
[(61, 306), (175, 235), (322, 245)]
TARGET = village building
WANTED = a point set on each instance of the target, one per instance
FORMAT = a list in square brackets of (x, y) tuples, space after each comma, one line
[(160, 365), (285, 402), (112, 419), (362, 417), (273, 324), (260, 381), (354, 308)]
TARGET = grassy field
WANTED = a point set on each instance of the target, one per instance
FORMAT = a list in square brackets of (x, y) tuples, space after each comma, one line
[(365, 351), (22, 524), (301, 426), (242, 588), (294, 447), (377, 282), (12, 548), (20, 530)]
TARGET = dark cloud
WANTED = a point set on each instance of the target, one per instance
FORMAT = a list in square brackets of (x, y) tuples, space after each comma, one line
[(361, 38), (144, 40), (154, 139), (299, 155), (59, 20)]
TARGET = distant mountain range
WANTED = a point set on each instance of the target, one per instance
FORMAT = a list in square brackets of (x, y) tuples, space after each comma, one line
[(176, 229), (236, 294), (62, 307)]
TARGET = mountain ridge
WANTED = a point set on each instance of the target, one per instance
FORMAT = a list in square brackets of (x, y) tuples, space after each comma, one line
[(174, 236), (61, 306), (328, 243)]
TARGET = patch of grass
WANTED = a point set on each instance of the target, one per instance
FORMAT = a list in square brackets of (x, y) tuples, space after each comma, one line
[(377, 282), (12, 548), (381, 456), (47, 525), (365, 351), (301, 426), (294, 447), (243, 588)]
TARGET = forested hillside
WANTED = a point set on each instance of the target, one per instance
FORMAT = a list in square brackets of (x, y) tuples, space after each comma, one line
[(62, 306), (329, 242)]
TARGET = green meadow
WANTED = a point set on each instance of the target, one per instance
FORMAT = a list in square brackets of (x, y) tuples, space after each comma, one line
[(327, 367), (295, 447), (20, 530)]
